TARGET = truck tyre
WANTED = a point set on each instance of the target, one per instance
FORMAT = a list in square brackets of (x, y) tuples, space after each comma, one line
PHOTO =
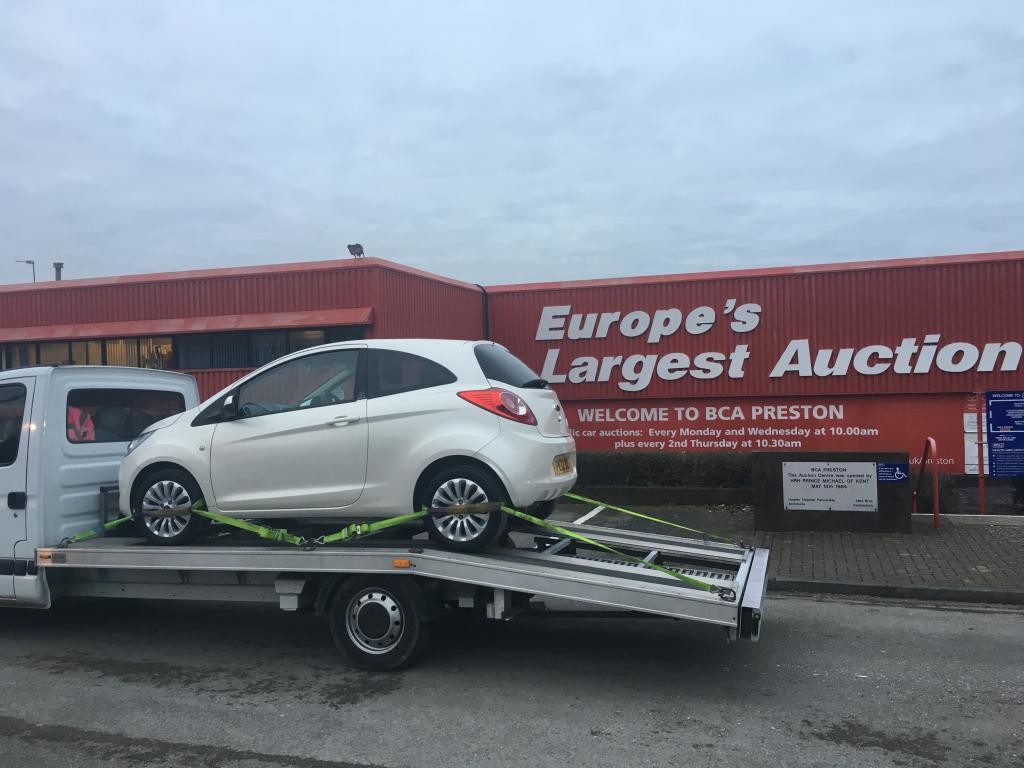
[(379, 622), (163, 490), (453, 486)]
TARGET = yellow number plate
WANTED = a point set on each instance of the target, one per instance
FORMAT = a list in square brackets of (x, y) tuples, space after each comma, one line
[(562, 465)]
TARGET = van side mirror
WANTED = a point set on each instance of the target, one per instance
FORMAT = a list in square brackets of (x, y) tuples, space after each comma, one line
[(229, 409)]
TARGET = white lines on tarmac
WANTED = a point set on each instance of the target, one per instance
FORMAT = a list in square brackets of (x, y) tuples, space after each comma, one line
[(590, 514)]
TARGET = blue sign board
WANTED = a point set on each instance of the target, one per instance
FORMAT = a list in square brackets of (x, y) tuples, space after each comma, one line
[(893, 472), (1005, 414)]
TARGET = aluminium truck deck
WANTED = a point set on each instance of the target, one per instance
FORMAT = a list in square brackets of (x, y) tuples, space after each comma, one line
[(541, 565)]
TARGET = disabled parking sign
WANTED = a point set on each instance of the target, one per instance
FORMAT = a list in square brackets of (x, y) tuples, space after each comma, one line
[(890, 472), (1005, 416)]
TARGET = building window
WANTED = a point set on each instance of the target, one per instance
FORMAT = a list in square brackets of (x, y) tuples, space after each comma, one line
[(156, 352), (268, 346), (122, 352), (86, 353), (304, 339), (188, 352), (230, 350), (21, 356), (53, 353), (193, 352)]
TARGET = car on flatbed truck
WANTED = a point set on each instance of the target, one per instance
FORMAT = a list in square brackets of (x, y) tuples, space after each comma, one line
[(361, 431), (63, 432)]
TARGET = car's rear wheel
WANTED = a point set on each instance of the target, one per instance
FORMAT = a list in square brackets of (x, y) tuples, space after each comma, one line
[(160, 495), (458, 486)]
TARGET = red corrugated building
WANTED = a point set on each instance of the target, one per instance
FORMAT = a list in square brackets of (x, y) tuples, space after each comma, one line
[(872, 355)]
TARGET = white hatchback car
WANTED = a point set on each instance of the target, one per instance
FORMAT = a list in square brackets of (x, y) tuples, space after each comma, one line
[(358, 431)]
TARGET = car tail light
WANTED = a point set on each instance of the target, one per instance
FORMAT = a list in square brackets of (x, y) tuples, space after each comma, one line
[(507, 404)]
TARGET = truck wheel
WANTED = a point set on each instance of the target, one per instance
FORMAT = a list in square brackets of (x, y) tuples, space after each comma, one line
[(165, 490), (379, 622), (463, 484)]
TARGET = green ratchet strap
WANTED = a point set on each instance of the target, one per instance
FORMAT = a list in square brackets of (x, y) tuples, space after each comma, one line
[(264, 532), (99, 530), (362, 529), (642, 516), (688, 580)]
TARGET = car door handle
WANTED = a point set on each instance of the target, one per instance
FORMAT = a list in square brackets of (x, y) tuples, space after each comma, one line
[(341, 421)]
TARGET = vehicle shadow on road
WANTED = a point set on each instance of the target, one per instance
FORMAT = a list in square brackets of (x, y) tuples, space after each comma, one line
[(230, 643)]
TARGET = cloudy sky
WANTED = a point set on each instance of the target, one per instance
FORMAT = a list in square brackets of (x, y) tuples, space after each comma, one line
[(507, 142)]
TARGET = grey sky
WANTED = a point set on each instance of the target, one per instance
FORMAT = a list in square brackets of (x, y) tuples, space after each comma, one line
[(526, 141)]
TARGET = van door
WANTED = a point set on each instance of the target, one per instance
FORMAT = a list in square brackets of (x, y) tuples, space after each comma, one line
[(15, 430)]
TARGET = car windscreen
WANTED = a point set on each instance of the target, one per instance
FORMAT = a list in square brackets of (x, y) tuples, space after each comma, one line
[(498, 364)]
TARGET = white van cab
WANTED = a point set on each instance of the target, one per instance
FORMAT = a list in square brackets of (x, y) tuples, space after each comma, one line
[(63, 434)]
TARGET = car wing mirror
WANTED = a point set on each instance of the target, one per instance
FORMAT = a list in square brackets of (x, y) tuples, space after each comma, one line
[(229, 408)]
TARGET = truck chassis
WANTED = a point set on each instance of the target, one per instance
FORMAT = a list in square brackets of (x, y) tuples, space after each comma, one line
[(380, 595)]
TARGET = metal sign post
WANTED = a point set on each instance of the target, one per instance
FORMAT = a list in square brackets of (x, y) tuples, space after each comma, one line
[(979, 398)]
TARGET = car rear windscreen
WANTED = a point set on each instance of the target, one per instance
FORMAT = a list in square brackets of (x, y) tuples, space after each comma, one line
[(498, 364), (117, 415)]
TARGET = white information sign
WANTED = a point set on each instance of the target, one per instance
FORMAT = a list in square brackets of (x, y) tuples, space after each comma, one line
[(830, 486)]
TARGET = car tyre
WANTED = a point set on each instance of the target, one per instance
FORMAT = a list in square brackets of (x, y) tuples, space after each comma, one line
[(379, 623), (463, 484), (168, 488), (542, 509)]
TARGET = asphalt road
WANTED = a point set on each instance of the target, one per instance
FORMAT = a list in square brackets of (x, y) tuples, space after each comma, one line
[(832, 683)]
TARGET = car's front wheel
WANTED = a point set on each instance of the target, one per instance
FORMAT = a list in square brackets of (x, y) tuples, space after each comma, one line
[(159, 497), (457, 486)]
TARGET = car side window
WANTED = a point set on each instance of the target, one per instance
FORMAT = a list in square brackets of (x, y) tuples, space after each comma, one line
[(12, 415), (392, 372), (310, 381)]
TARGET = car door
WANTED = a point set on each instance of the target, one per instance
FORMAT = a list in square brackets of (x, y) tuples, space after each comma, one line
[(15, 416), (298, 440)]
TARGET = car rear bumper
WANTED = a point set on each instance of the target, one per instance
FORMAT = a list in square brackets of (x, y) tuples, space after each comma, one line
[(525, 461)]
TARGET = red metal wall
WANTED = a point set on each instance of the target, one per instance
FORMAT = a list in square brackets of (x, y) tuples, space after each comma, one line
[(968, 299), (401, 298), (972, 299), (417, 305)]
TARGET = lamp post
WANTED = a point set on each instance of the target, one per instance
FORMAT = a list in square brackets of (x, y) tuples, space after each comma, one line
[(30, 262)]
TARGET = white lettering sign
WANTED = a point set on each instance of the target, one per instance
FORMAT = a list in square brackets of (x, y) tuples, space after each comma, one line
[(676, 330), (830, 486)]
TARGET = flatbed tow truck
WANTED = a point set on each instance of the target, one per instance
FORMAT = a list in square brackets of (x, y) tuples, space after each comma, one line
[(416, 581), (379, 594)]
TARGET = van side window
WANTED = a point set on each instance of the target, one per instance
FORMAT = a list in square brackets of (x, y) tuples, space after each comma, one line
[(393, 372), (12, 415), (117, 415)]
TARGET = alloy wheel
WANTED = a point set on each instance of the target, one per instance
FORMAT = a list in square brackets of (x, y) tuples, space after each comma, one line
[(459, 526), (162, 497)]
